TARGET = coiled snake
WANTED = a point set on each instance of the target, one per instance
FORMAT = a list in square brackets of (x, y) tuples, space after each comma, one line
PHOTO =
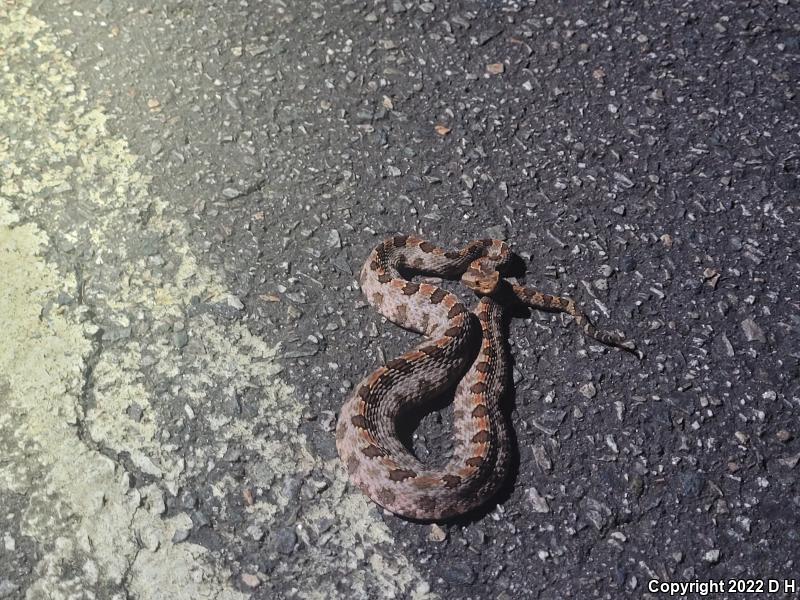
[(461, 346)]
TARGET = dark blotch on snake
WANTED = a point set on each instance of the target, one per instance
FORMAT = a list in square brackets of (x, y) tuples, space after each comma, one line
[(425, 322), (480, 411), (363, 392), (352, 463), (341, 430), (452, 255), (453, 332), (427, 504), (481, 437), (478, 388), (372, 451), (401, 474), (359, 421), (456, 310), (482, 367), (401, 313), (399, 240), (426, 247), (430, 350), (410, 288), (398, 364), (384, 277), (475, 461), (451, 481), (385, 496), (438, 295)]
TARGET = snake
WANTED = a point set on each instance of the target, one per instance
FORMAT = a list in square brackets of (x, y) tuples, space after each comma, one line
[(462, 348)]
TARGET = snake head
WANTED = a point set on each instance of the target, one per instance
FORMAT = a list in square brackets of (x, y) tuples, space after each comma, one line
[(481, 278)]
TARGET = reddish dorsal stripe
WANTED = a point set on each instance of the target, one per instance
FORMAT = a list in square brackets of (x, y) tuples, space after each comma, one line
[(426, 289)]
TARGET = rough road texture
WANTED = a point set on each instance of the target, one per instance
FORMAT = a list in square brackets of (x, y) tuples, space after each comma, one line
[(463, 353), (182, 180)]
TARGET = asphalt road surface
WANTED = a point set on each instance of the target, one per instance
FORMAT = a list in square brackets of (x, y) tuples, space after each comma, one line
[(189, 188)]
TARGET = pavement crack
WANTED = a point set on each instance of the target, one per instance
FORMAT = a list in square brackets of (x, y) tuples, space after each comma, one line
[(251, 189)]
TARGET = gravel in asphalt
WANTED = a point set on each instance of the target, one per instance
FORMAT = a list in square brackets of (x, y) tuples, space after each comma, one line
[(187, 193)]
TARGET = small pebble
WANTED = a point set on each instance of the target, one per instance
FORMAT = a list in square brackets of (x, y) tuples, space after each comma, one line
[(458, 574), (234, 302), (752, 332), (105, 7), (537, 501), (437, 534), (180, 339), (180, 535), (250, 580), (711, 556), (255, 532), (283, 540)]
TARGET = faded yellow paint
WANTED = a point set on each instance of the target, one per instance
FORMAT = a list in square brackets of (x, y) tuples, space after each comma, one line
[(93, 530)]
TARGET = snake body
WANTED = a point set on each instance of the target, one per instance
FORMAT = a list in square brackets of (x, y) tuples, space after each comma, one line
[(462, 348)]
